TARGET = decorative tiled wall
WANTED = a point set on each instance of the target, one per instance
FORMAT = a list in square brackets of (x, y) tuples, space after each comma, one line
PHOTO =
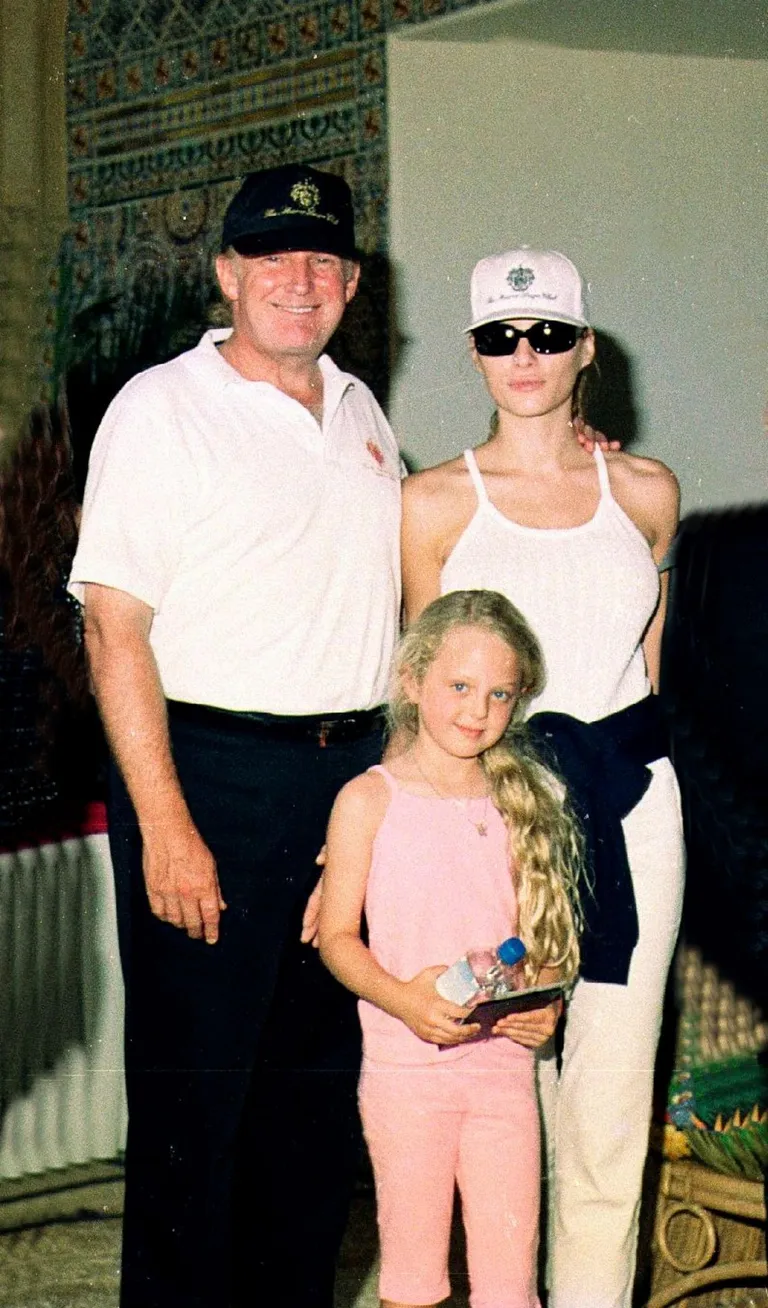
[(171, 101)]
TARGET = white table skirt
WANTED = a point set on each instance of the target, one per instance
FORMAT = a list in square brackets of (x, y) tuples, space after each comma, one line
[(62, 1097)]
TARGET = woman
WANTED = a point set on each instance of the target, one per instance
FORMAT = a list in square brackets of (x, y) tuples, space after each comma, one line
[(573, 538)]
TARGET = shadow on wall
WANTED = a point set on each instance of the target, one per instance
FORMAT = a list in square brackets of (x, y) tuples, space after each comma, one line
[(610, 399), (361, 344)]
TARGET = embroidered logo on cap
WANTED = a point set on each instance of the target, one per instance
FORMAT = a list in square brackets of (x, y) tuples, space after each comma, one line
[(520, 278), (307, 196)]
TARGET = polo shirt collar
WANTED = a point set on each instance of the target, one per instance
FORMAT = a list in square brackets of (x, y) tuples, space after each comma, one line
[(335, 382)]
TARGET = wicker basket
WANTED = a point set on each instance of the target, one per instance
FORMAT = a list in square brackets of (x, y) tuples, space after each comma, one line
[(709, 1232)]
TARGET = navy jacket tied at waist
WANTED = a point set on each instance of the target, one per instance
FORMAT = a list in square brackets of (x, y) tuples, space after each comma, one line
[(603, 765)]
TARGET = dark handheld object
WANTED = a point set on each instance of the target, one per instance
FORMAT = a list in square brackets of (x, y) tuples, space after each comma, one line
[(490, 1011)]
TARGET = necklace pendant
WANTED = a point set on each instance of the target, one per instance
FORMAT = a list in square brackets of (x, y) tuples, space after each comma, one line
[(482, 828)]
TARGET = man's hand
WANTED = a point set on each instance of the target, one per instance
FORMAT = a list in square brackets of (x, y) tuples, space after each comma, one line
[(182, 885), (588, 438), (311, 918), (533, 1028), (179, 871)]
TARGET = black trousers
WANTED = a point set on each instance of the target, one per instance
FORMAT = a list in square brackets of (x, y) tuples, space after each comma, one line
[(242, 1057)]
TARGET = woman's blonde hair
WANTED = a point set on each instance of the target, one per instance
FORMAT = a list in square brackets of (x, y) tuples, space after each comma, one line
[(544, 839)]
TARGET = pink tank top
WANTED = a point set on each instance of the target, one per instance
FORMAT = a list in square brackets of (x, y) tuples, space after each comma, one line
[(436, 887)]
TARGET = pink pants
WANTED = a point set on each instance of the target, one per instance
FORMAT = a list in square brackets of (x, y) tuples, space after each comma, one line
[(432, 1126)]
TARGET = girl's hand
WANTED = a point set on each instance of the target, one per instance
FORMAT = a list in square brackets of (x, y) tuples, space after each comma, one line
[(531, 1029), (429, 1016)]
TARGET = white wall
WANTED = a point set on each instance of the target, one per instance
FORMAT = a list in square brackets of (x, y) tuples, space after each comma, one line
[(649, 171)]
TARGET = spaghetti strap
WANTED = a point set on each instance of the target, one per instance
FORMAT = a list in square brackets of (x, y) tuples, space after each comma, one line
[(602, 474), (477, 480), (387, 775)]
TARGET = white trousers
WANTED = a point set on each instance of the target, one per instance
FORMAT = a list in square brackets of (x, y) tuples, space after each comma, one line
[(597, 1112)]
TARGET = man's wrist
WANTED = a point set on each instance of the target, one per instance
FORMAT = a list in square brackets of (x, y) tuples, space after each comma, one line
[(168, 820)]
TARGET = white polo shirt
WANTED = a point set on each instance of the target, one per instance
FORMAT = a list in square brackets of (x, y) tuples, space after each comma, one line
[(267, 547)]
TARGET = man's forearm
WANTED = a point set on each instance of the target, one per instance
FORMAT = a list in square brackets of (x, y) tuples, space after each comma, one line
[(132, 706), (179, 870)]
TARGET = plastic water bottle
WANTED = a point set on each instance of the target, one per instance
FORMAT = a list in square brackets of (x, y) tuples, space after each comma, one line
[(486, 973)]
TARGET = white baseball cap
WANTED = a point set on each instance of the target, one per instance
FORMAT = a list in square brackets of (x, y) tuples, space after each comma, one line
[(526, 283)]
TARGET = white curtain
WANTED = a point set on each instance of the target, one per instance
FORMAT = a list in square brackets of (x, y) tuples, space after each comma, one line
[(62, 1098)]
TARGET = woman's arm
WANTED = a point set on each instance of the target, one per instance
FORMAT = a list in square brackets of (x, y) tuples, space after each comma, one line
[(665, 516), (421, 548), (650, 495), (356, 817)]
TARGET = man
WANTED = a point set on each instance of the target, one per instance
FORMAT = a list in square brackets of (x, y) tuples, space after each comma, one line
[(239, 567)]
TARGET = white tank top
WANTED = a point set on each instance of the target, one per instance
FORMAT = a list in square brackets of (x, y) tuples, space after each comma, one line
[(588, 592)]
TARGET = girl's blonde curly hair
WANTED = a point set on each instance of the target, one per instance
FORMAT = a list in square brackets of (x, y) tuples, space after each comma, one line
[(544, 839)]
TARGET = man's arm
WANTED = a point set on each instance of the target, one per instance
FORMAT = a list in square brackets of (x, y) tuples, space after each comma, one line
[(179, 870)]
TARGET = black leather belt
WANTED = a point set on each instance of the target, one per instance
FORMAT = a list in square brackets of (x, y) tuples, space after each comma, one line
[(318, 728)]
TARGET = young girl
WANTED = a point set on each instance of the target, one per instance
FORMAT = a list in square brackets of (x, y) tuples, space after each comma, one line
[(461, 840)]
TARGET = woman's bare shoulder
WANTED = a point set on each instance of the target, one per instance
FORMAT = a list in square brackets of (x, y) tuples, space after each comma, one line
[(435, 482), (647, 490), (649, 478)]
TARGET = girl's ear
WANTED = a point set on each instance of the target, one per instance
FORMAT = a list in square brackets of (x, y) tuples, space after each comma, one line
[(410, 686)]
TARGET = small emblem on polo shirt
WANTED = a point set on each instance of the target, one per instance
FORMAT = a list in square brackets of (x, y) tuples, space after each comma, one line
[(375, 452), (520, 278)]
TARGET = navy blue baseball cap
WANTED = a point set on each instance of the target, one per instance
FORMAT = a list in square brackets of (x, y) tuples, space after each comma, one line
[(291, 207)]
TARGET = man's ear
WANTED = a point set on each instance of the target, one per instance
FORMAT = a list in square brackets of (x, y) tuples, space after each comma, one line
[(352, 279), (226, 273)]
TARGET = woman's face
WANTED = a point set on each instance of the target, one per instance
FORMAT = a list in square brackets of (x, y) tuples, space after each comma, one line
[(530, 385)]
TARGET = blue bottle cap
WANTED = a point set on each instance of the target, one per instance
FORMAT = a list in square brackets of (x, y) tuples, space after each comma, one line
[(511, 951)]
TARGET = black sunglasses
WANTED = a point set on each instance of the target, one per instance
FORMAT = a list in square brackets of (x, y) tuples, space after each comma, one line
[(497, 338)]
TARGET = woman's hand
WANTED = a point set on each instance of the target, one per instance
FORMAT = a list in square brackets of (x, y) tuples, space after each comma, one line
[(533, 1028), (428, 1015)]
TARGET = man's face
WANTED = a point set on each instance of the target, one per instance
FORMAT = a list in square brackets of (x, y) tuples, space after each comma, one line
[(287, 305)]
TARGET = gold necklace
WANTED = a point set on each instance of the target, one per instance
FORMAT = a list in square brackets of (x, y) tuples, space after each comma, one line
[(481, 827)]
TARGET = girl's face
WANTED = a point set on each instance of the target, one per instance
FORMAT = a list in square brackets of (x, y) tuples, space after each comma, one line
[(468, 693), (530, 385)]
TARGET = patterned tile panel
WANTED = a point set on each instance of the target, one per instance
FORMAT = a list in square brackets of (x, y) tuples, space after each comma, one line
[(171, 101)]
